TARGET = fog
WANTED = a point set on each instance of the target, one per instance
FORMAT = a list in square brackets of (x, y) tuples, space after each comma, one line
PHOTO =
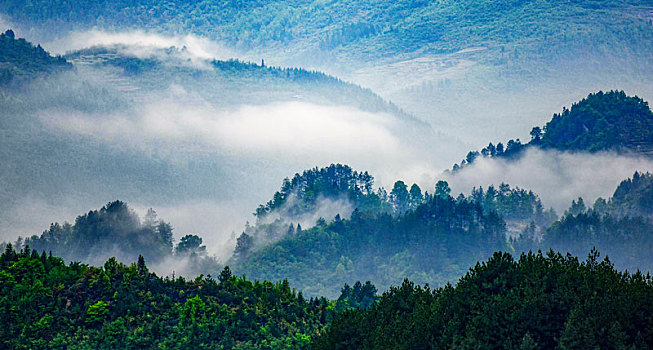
[(557, 177), (205, 166), (463, 96), (202, 165), (142, 44), (288, 128)]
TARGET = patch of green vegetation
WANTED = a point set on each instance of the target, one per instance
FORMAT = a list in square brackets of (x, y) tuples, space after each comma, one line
[(537, 302), (46, 304), (20, 60)]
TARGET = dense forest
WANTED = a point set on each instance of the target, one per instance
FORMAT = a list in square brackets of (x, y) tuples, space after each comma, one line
[(621, 226), (431, 238), (116, 231), (544, 31), (370, 234), (46, 304), (331, 260), (603, 121), (388, 236), (540, 301), (20, 60)]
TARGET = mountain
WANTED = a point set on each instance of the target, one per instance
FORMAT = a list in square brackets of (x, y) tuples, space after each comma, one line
[(621, 227), (491, 64), (224, 83), (20, 60), (47, 304), (536, 302), (432, 239), (602, 121), (368, 29), (632, 197), (162, 128), (116, 231), (610, 121)]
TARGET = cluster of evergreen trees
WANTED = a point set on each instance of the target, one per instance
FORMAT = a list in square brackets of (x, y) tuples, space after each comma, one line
[(20, 60), (334, 181), (116, 231), (622, 227), (514, 204), (433, 238), (602, 121), (434, 242), (46, 304), (537, 302)]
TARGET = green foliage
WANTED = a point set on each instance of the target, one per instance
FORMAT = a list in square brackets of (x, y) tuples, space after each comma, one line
[(45, 304), (633, 197), (433, 243), (360, 296), (600, 122), (536, 302), (514, 204), (115, 229), (20, 60), (190, 244), (336, 181), (621, 227)]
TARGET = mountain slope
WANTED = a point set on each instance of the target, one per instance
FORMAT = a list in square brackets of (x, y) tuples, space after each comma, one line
[(492, 64), (432, 243), (536, 302), (160, 129), (360, 29), (20, 60), (602, 121), (610, 121), (621, 227), (48, 304)]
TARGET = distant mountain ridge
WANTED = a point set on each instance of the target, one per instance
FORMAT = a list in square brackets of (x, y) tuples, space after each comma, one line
[(240, 82), (603, 121), (379, 29)]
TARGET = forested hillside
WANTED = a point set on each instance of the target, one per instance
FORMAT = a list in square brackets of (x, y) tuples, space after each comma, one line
[(90, 116), (46, 304), (633, 197), (540, 301), (225, 83), (621, 227), (603, 121), (205, 109), (546, 30), (434, 242), (429, 238), (116, 231), (20, 60)]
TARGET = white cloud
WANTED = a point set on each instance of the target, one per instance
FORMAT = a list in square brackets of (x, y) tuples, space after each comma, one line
[(285, 130), (557, 177), (142, 44)]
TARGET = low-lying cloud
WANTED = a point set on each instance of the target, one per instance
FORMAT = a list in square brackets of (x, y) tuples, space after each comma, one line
[(283, 131), (142, 44), (557, 177), (288, 127)]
